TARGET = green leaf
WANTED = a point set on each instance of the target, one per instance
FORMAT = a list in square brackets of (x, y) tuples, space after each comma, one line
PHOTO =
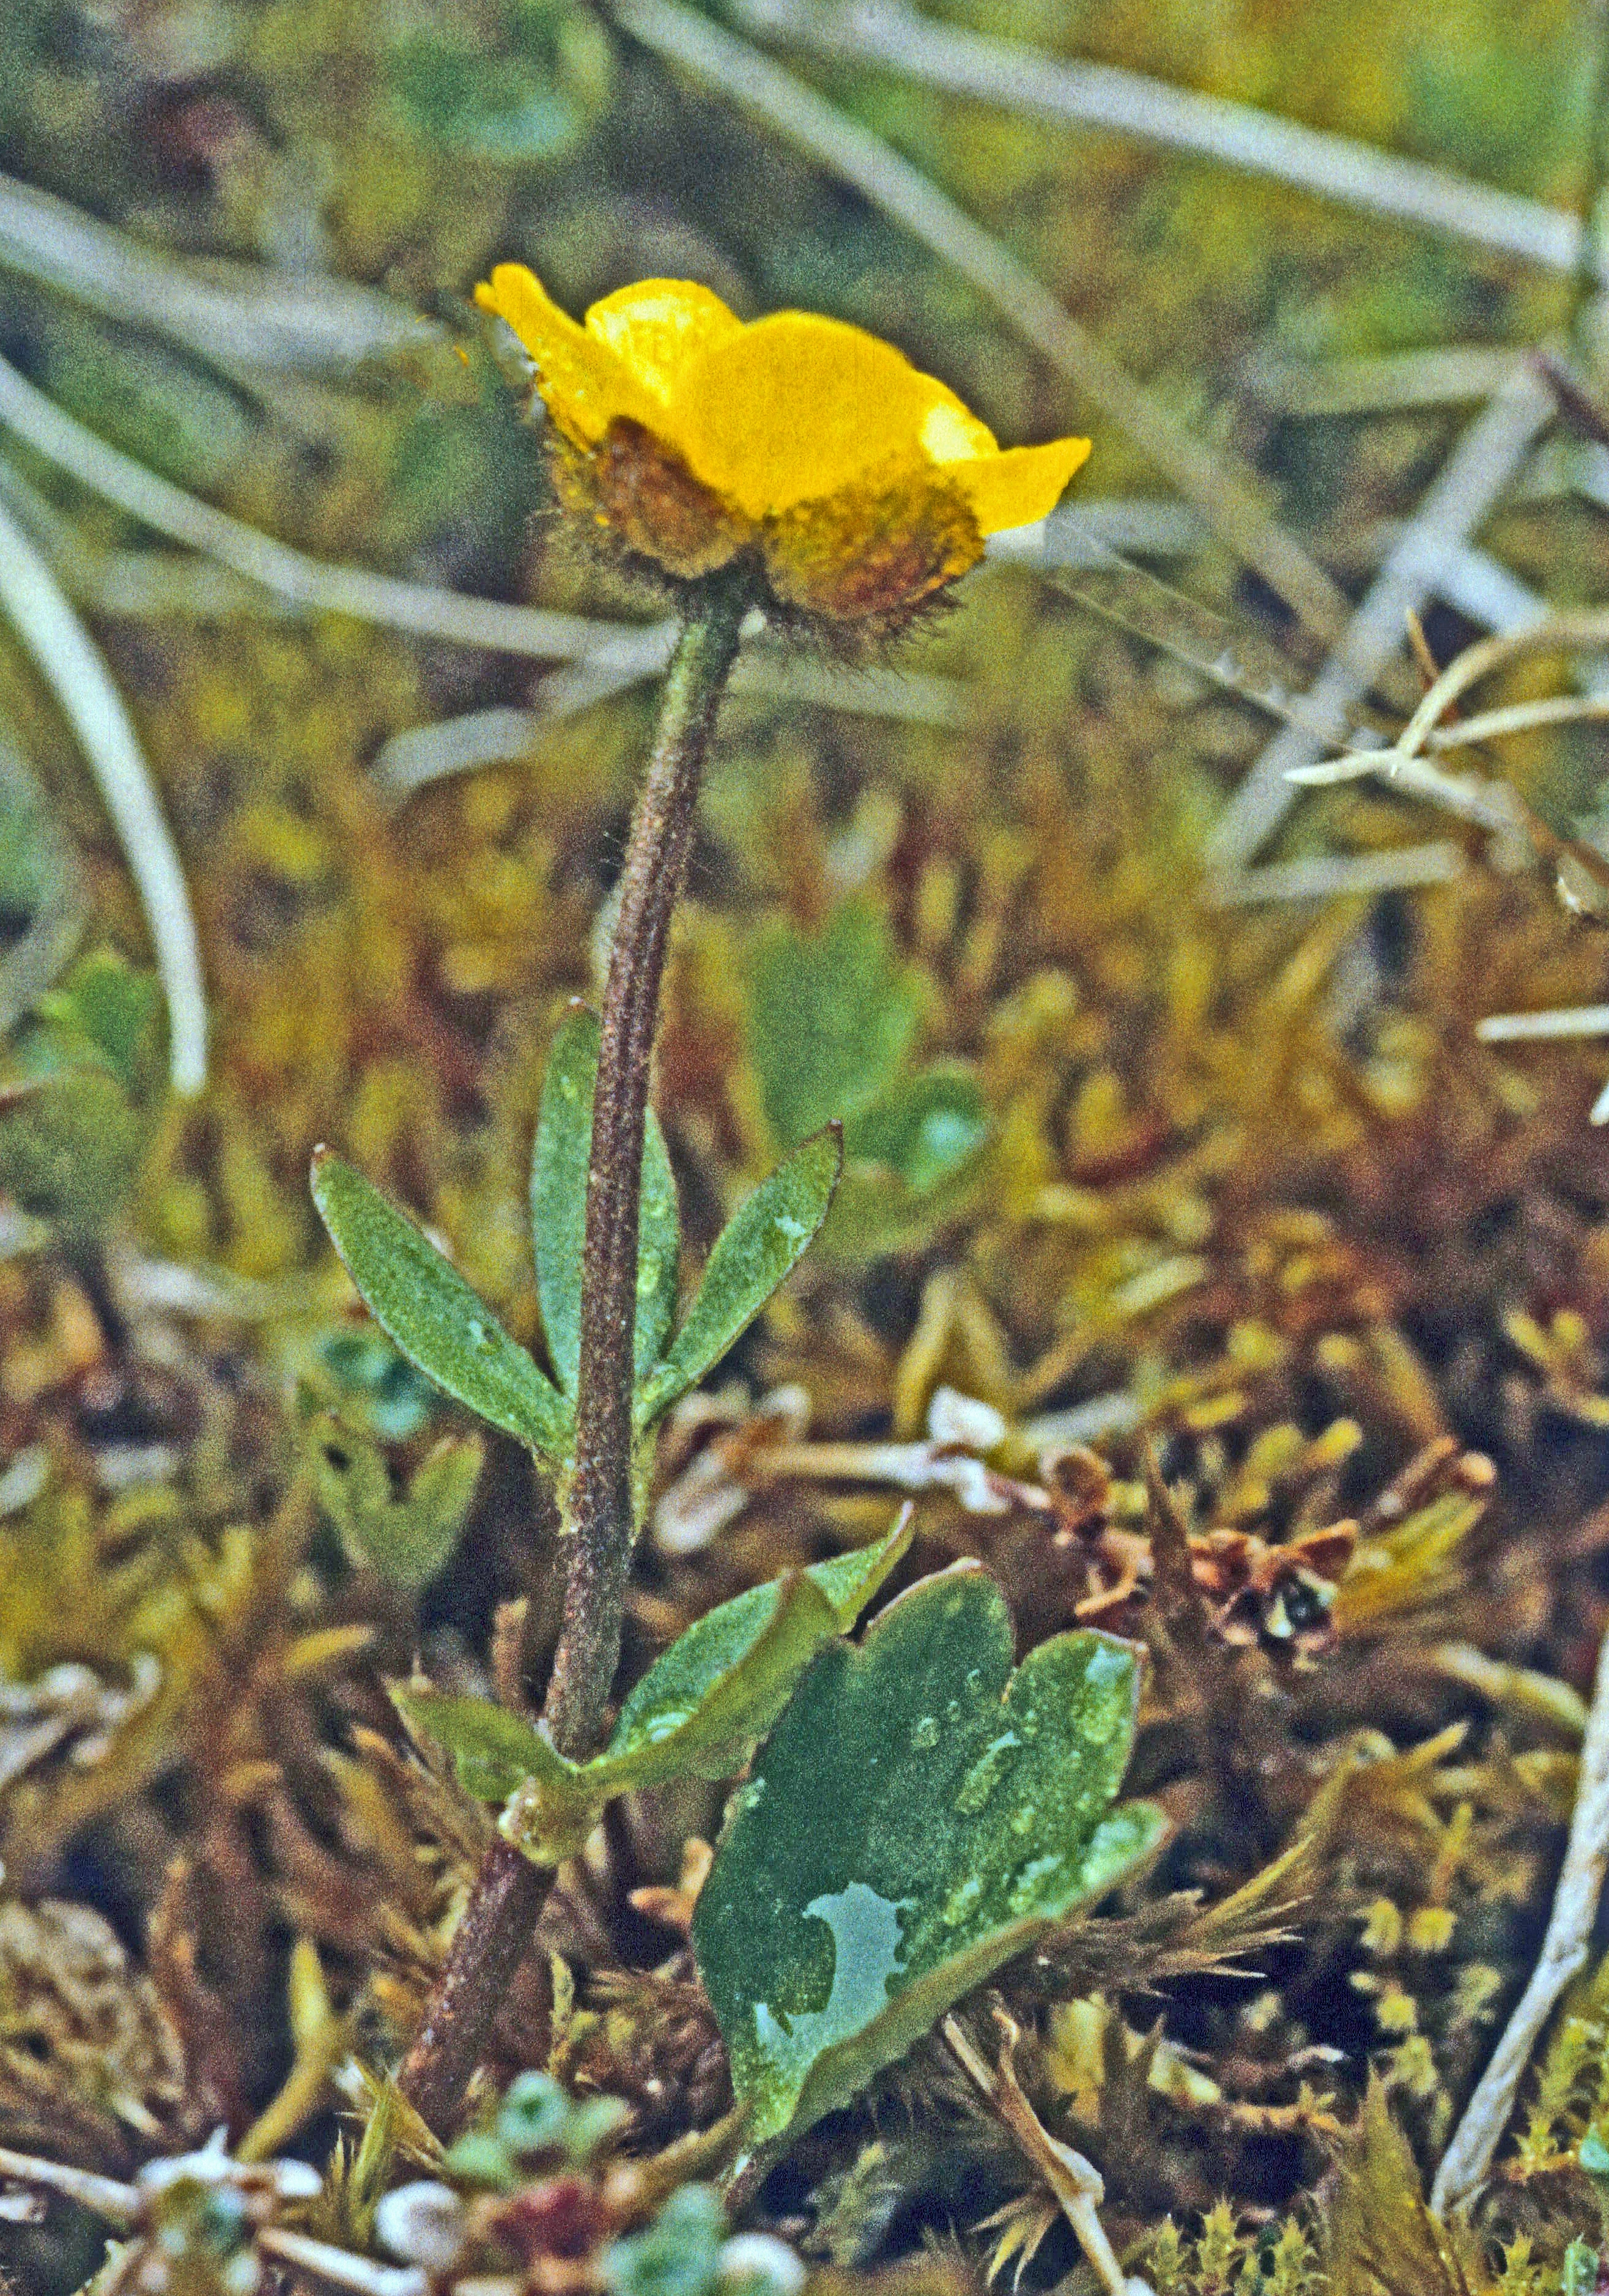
[(1578, 2272), (924, 1129), (678, 2254), (488, 107), (379, 1389), (755, 1253), (406, 1539), (558, 1207), (495, 1754), (70, 1148), (41, 902), (911, 1162), (423, 1303), (831, 1017), (918, 1816), (1592, 2156), (722, 1684), (120, 1014), (694, 1713)]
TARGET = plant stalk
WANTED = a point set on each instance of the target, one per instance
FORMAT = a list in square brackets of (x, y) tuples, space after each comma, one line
[(600, 1510), (600, 1514)]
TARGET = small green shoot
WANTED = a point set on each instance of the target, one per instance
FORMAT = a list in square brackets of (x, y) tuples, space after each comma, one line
[(408, 1538), (79, 1104), (834, 1017), (695, 1712), (919, 1816)]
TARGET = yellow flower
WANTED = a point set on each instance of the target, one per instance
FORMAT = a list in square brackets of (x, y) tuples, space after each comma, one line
[(861, 485)]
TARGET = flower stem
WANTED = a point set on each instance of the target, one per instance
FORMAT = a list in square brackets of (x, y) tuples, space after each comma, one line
[(487, 1947), (600, 1510), (600, 1515)]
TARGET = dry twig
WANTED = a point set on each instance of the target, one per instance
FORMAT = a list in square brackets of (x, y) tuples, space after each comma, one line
[(1564, 1949)]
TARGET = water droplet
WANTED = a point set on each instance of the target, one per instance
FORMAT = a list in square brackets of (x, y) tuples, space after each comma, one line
[(975, 1681), (1027, 1890), (952, 1712), (926, 1732), (1023, 1822), (1105, 1706), (867, 1954), (961, 1901), (477, 1331), (985, 1773)]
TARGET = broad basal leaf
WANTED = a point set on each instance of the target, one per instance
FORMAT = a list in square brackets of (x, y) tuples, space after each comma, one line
[(423, 1303), (558, 1206), (919, 1814), (722, 1684), (755, 1253)]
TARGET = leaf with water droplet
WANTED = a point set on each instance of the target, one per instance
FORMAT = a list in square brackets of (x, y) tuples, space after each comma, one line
[(875, 1870), (558, 1206), (755, 1253), (442, 1326)]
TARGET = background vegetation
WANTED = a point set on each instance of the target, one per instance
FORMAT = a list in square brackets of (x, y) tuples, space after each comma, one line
[(1197, 1265)]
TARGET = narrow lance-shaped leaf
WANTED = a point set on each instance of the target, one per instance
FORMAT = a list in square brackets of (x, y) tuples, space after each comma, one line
[(420, 1300), (558, 1206), (755, 1253), (722, 1684), (919, 1814)]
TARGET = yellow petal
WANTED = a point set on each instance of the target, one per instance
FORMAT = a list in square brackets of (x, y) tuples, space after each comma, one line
[(584, 386), (952, 433), (795, 407), (657, 326), (1022, 484)]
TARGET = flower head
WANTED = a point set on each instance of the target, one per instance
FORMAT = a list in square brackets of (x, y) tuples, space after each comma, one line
[(861, 485)]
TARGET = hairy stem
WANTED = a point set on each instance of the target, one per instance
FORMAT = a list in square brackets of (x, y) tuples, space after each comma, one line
[(509, 1890), (488, 1946), (600, 1510)]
